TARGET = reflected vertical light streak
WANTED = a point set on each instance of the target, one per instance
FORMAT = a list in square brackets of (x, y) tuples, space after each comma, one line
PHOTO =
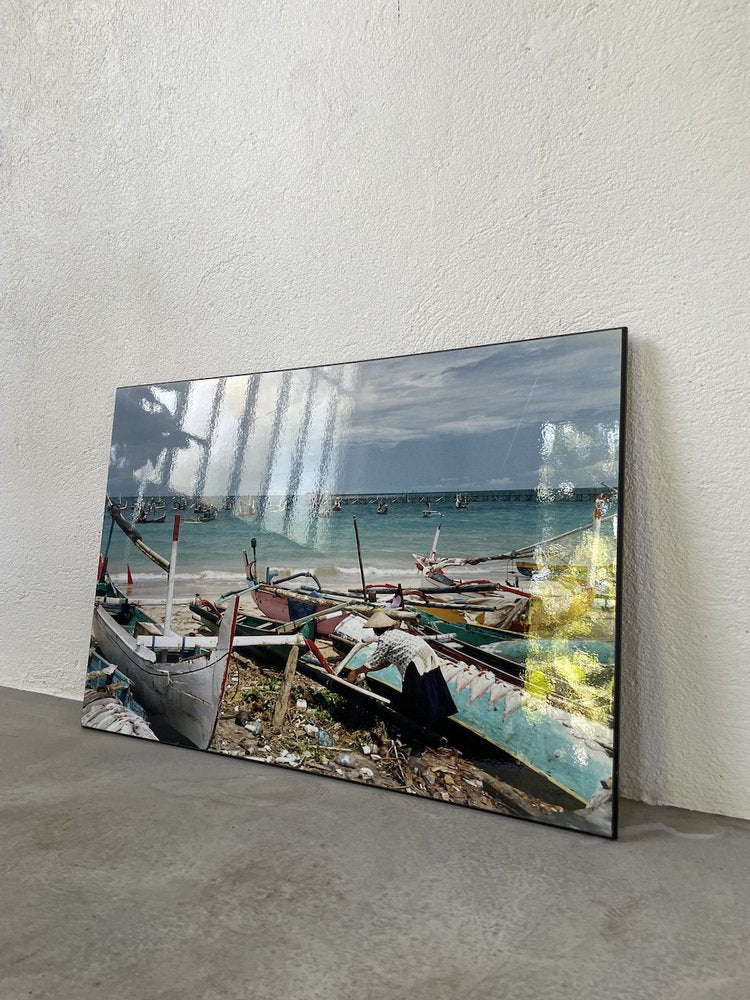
[(244, 429), (282, 405), (183, 401), (199, 483), (326, 453), (297, 467)]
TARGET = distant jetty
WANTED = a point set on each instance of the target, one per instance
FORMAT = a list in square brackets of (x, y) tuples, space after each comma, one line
[(573, 495)]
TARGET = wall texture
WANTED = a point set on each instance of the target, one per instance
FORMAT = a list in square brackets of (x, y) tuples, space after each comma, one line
[(192, 188)]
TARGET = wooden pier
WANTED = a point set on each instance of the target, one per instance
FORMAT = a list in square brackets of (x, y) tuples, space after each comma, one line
[(436, 499)]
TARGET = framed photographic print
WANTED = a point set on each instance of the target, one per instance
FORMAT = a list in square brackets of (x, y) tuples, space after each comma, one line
[(402, 572)]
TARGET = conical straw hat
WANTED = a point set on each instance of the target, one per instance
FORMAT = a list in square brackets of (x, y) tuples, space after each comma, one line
[(379, 619)]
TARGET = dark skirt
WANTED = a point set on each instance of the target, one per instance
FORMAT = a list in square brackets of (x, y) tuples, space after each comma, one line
[(426, 696)]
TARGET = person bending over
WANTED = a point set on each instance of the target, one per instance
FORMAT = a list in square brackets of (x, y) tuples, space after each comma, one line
[(425, 694)]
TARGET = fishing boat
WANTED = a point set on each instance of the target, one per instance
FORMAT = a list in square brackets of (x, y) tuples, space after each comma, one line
[(337, 505), (462, 501), (514, 646), (468, 631), (143, 515), (183, 689), (497, 611), (106, 679), (494, 703), (433, 568), (429, 512), (244, 509), (159, 504), (382, 508), (568, 750), (178, 678), (285, 605), (228, 503), (179, 503), (108, 701), (205, 512)]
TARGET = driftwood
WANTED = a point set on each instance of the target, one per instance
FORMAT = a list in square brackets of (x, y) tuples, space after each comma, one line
[(282, 701)]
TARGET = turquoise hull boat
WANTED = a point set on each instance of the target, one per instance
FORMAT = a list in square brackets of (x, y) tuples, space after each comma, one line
[(516, 647), (520, 649), (564, 748), (474, 635)]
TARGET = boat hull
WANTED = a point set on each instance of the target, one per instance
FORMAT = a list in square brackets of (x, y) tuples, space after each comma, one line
[(282, 607), (549, 741), (187, 693)]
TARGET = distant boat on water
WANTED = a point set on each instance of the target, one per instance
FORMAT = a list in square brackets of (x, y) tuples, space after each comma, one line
[(245, 510), (143, 514)]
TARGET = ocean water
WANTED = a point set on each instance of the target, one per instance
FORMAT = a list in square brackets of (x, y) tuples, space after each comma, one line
[(210, 554)]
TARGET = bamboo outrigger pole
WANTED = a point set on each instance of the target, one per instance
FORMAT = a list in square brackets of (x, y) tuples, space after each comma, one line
[(135, 538), (359, 557)]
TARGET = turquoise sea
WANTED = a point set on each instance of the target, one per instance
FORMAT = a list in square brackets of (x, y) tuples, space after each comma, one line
[(210, 554)]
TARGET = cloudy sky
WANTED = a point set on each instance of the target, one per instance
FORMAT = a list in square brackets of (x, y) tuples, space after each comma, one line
[(508, 416)]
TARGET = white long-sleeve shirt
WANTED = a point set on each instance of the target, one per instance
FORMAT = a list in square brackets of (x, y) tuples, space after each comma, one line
[(398, 648)]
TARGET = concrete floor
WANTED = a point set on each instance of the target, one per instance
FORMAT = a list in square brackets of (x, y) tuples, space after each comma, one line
[(136, 871)]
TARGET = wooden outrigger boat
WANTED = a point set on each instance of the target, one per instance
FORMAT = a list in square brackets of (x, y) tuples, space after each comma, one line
[(142, 515), (286, 605), (177, 678), (495, 705), (510, 644), (525, 559), (472, 634), (205, 512), (108, 702), (432, 567), (184, 690)]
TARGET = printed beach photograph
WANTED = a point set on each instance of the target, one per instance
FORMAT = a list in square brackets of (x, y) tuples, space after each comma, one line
[(399, 572)]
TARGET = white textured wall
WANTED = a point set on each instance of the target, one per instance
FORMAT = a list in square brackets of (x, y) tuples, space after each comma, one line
[(196, 188)]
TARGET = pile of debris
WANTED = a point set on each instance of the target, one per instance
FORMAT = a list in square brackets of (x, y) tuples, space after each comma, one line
[(325, 734)]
